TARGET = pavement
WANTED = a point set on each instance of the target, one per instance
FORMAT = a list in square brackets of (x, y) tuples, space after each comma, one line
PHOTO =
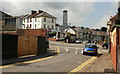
[(50, 52), (102, 64)]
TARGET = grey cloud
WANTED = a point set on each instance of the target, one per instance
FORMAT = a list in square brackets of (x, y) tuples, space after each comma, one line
[(77, 11)]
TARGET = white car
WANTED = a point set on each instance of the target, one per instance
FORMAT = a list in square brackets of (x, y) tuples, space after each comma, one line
[(78, 41)]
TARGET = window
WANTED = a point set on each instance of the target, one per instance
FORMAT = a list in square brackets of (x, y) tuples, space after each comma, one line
[(52, 20), (30, 25), (117, 22), (44, 25), (52, 26), (48, 27), (24, 20), (23, 25), (44, 19), (27, 26)]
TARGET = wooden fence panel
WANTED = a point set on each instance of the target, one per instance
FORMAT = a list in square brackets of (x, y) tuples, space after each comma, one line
[(27, 46)]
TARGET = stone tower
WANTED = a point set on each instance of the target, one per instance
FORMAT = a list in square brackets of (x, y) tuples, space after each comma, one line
[(65, 20)]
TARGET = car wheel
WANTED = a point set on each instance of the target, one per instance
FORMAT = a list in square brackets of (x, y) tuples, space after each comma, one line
[(84, 53), (96, 54)]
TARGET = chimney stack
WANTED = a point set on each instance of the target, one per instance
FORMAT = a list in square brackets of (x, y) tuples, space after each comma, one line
[(40, 11), (33, 12)]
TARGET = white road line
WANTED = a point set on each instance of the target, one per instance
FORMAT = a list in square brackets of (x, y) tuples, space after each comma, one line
[(76, 52)]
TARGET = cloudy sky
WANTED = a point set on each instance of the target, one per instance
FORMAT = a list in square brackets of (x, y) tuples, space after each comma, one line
[(88, 14)]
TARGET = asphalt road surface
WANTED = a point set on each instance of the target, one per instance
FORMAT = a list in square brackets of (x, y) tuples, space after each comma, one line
[(69, 58)]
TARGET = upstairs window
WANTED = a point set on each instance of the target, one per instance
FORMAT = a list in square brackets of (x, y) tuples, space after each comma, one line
[(52, 26), (27, 20), (44, 19), (117, 22), (52, 20), (24, 20)]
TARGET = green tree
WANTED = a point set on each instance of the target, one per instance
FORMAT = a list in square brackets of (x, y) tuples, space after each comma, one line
[(103, 29)]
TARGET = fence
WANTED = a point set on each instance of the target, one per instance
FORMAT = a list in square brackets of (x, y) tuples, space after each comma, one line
[(31, 42), (27, 42)]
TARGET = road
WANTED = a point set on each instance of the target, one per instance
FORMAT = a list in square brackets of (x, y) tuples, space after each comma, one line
[(69, 58)]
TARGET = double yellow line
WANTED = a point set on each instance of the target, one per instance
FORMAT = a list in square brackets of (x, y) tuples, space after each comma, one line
[(32, 61), (82, 65), (26, 62)]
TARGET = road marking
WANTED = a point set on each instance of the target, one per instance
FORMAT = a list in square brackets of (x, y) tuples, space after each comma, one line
[(75, 52), (32, 61), (58, 50), (66, 49), (26, 62), (82, 65)]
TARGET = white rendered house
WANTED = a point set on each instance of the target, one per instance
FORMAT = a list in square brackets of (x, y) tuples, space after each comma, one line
[(40, 20)]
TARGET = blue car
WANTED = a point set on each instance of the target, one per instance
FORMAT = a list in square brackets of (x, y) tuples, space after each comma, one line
[(90, 49)]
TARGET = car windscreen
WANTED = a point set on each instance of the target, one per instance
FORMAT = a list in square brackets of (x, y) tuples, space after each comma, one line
[(91, 46)]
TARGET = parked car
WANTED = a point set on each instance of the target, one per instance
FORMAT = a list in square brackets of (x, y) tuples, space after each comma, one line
[(78, 41), (105, 45), (72, 41), (60, 39), (85, 42), (90, 49)]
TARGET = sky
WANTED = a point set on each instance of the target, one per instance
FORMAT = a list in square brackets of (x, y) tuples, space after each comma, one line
[(92, 14)]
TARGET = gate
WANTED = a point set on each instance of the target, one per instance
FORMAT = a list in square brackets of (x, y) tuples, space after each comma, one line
[(27, 45)]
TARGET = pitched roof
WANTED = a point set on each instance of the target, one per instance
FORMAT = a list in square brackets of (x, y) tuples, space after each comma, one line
[(24, 16), (45, 14), (4, 15)]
